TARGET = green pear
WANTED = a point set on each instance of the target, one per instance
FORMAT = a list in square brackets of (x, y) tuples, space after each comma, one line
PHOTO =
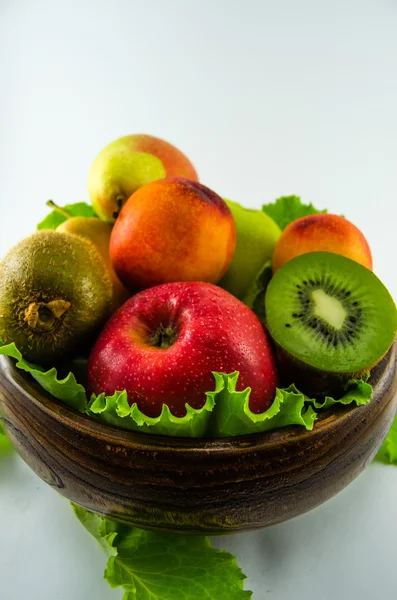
[(98, 232), (128, 163), (257, 236)]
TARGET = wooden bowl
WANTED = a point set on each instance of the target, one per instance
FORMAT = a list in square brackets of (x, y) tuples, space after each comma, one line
[(210, 486)]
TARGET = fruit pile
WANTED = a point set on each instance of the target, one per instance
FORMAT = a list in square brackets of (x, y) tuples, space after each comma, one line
[(188, 304)]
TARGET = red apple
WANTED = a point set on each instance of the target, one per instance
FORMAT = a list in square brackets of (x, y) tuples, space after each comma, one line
[(162, 345)]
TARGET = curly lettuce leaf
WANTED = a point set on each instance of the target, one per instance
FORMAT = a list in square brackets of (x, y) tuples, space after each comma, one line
[(55, 218), (233, 415), (115, 410), (255, 295), (225, 412), (164, 566), (356, 391), (289, 208), (65, 389), (290, 407), (388, 451)]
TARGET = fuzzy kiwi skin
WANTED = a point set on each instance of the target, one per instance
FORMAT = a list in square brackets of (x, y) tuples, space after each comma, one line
[(55, 294), (312, 381)]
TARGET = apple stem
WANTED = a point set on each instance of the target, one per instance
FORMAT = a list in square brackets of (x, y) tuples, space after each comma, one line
[(61, 211), (164, 337)]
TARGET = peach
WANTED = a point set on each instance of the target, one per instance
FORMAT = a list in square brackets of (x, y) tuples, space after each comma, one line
[(172, 230), (128, 163), (322, 232)]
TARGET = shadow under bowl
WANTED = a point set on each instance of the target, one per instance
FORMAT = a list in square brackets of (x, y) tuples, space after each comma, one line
[(209, 486)]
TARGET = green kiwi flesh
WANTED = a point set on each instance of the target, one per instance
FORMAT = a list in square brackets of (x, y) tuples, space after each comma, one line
[(331, 314), (55, 294)]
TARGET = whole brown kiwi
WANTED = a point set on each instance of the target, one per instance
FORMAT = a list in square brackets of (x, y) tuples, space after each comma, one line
[(55, 294)]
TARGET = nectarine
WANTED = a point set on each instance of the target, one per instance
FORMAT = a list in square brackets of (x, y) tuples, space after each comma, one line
[(322, 232), (172, 230)]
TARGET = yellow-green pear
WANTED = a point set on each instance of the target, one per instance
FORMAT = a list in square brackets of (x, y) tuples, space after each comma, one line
[(128, 163), (98, 232), (257, 236)]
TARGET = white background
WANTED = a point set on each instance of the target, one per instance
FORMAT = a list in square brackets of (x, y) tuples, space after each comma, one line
[(267, 99)]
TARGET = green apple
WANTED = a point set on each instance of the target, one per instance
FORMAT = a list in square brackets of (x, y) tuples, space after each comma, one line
[(257, 236), (128, 163)]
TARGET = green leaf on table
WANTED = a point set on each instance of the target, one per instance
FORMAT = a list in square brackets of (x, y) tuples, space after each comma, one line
[(65, 389), (164, 566), (98, 527), (290, 407), (287, 209), (5, 444), (388, 451), (55, 218)]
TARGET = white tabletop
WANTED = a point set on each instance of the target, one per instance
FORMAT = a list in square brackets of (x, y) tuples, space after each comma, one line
[(267, 99)]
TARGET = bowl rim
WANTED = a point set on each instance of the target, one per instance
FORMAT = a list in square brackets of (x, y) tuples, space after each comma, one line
[(25, 384)]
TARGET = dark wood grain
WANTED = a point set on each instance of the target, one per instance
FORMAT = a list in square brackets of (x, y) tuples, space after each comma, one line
[(190, 485)]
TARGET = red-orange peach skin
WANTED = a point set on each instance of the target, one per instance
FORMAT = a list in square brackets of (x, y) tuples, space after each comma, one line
[(322, 232), (172, 230)]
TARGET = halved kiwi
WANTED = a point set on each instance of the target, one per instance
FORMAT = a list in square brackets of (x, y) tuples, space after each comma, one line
[(329, 313)]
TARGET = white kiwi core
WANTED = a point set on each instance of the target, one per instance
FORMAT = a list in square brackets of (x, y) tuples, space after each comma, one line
[(329, 309)]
